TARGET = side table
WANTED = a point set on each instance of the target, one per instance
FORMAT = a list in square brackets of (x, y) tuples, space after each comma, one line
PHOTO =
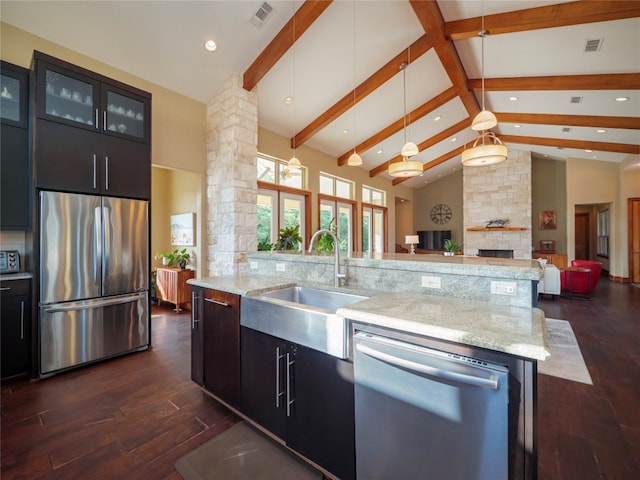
[(171, 286), (569, 292)]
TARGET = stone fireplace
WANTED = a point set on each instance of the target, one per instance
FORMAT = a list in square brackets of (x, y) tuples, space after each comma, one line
[(501, 191)]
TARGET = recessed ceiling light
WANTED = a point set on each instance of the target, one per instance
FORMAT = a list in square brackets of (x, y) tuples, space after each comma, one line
[(513, 99), (437, 118), (516, 126), (595, 156), (601, 130), (345, 131), (288, 100), (622, 99), (210, 45), (379, 151), (454, 139), (588, 151)]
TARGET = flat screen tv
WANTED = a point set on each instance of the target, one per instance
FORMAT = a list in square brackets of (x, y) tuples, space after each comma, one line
[(433, 239)]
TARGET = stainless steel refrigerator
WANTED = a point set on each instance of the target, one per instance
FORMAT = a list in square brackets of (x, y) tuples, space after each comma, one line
[(94, 279)]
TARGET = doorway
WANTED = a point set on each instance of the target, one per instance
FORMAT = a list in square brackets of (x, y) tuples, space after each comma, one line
[(582, 236), (633, 209)]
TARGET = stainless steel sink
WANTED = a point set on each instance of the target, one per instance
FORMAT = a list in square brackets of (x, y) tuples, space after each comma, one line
[(303, 315)]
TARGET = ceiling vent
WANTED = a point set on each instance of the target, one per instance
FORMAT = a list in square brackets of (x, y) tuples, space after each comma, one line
[(566, 129), (593, 45), (261, 16), (575, 100)]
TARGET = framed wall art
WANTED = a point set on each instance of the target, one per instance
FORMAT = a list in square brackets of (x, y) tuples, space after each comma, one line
[(182, 232), (547, 220)]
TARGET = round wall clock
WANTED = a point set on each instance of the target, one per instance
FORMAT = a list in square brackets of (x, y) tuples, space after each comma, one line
[(441, 213)]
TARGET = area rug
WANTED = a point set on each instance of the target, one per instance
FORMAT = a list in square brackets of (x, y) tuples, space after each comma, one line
[(242, 453), (566, 358)]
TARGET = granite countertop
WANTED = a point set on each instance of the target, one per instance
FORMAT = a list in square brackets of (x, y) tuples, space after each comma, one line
[(15, 276), (514, 330)]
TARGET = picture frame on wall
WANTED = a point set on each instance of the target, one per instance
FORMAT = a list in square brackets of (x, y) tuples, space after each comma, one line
[(547, 220), (182, 229)]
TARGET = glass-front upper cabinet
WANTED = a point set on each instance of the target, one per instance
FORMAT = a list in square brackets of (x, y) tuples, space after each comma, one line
[(14, 84), (74, 96)]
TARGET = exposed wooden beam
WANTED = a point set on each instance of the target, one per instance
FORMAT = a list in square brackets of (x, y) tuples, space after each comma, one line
[(566, 143), (303, 18), (428, 107), (417, 48), (617, 81), (560, 15), (433, 163), (631, 123)]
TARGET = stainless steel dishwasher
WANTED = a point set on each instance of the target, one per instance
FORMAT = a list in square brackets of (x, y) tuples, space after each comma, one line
[(427, 414)]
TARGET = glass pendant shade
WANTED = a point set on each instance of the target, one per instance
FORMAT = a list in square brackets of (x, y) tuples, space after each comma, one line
[(486, 153), (294, 162), (409, 150), (406, 168), (354, 160), (485, 120)]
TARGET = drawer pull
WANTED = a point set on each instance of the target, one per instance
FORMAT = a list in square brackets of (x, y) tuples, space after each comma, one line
[(5, 289), (210, 300)]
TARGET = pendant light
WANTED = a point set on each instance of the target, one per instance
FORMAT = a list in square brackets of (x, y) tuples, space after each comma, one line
[(485, 153), (406, 168), (294, 163), (354, 160)]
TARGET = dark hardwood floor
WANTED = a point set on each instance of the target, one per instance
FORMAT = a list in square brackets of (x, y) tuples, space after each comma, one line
[(134, 416)]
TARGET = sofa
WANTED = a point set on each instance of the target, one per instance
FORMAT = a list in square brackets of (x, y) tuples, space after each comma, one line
[(550, 282), (581, 282)]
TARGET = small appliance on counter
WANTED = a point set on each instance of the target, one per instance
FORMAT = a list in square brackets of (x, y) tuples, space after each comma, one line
[(9, 261)]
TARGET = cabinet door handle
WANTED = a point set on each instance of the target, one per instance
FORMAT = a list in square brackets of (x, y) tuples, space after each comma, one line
[(104, 119), (96, 117), (95, 171), (279, 392), (5, 289), (194, 304), (290, 400), (211, 300), (22, 320), (106, 173)]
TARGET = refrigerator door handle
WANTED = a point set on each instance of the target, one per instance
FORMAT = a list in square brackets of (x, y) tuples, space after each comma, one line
[(91, 304), (108, 238), (97, 251), (491, 383)]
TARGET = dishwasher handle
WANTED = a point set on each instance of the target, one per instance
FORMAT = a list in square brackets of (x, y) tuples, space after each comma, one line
[(491, 383)]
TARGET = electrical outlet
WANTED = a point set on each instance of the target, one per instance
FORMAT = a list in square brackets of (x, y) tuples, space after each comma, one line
[(253, 265), (504, 288), (431, 282), (280, 267)]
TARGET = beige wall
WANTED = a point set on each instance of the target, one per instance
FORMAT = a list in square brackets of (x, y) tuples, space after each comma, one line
[(174, 192), (278, 146), (447, 190), (548, 187)]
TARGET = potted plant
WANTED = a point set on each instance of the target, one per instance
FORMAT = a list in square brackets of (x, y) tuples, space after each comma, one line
[(451, 248), (325, 242), (288, 238), (179, 257)]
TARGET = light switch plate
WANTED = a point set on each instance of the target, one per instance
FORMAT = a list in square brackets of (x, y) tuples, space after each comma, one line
[(253, 265), (431, 282), (504, 288), (280, 267)]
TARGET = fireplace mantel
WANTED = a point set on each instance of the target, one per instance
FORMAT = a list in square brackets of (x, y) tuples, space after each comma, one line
[(496, 229)]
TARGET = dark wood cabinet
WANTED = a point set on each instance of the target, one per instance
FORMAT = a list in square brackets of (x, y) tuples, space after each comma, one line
[(91, 134), (303, 396), (15, 176), (197, 337), (215, 342), (15, 312)]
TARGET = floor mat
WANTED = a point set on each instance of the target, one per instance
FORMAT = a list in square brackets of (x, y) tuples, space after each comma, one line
[(241, 453), (566, 358)]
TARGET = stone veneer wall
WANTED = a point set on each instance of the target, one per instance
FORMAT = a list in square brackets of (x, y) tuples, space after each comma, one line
[(232, 147), (501, 191)]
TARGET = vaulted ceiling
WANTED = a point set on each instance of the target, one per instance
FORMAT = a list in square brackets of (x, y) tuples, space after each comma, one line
[(553, 70)]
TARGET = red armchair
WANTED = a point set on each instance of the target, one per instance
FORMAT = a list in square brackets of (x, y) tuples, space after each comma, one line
[(580, 280)]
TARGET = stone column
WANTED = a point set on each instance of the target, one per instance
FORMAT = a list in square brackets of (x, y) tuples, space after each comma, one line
[(232, 146)]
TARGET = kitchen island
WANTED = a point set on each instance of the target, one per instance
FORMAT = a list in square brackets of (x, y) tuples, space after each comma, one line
[(481, 332)]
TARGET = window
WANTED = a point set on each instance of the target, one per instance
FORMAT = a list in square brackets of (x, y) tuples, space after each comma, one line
[(374, 228), (277, 209), (336, 186), (276, 171), (342, 211), (373, 196), (603, 233)]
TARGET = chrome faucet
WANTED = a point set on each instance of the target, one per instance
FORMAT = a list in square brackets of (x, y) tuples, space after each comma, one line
[(336, 250)]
